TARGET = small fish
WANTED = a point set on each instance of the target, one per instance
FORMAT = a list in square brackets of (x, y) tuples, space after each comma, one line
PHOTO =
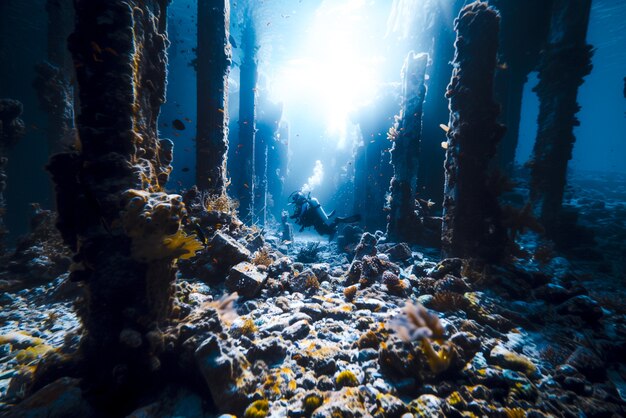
[(178, 125), (246, 185), (187, 120), (185, 169), (503, 66), (444, 127)]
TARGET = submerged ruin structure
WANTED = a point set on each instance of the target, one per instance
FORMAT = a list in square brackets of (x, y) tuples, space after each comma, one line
[(125, 231), (214, 59), (245, 154), (54, 77), (518, 55), (565, 61), (471, 213), (11, 130), (403, 220)]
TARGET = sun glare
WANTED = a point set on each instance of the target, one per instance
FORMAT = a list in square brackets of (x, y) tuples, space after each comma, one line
[(336, 69)]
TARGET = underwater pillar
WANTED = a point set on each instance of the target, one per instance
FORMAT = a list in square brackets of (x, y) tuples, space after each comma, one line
[(518, 55), (565, 61), (269, 115), (249, 74), (214, 59), (440, 35), (12, 129), (277, 168), (112, 210), (53, 81), (403, 221), (471, 213)]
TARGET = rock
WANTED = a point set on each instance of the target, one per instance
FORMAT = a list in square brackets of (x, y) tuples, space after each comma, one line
[(62, 398), (427, 406), (346, 403), (305, 282), (502, 357), (297, 331), (367, 246), (227, 250), (553, 293), (582, 306), (223, 367), (446, 266), (245, 279), (390, 406), (398, 252), (255, 243), (270, 350), (588, 363), (451, 283)]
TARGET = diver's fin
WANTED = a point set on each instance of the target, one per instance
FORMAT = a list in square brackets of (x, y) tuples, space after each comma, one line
[(348, 219)]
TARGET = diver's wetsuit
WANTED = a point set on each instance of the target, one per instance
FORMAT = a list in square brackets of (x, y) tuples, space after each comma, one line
[(309, 212)]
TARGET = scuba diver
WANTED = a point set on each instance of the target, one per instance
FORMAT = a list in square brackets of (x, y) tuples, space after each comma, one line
[(309, 212)]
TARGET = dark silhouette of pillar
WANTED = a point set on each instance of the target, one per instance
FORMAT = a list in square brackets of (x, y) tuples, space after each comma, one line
[(373, 170), (269, 116), (565, 61), (249, 74), (277, 168), (112, 211), (11, 130), (440, 36), (214, 59), (403, 220), (471, 212), (54, 77), (518, 55)]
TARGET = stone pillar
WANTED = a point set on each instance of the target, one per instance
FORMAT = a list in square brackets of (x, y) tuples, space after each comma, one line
[(214, 59), (112, 211), (249, 73), (565, 61), (440, 35), (373, 170), (277, 168), (269, 116), (403, 222), (11, 130), (54, 77), (471, 213), (518, 55)]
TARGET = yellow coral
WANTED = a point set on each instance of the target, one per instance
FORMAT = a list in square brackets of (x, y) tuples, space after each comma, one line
[(439, 361), (311, 402), (30, 354), (248, 327), (346, 378), (257, 409)]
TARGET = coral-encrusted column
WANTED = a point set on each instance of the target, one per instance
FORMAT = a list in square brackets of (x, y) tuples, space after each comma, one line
[(11, 130), (214, 58), (564, 63), (249, 73), (471, 217), (127, 233), (403, 221)]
